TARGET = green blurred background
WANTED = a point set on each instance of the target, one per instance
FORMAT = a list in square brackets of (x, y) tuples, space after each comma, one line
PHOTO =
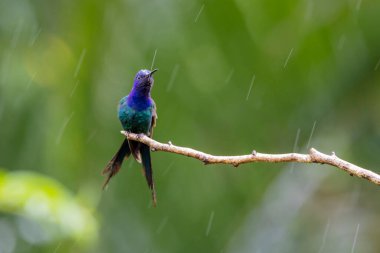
[(275, 76)]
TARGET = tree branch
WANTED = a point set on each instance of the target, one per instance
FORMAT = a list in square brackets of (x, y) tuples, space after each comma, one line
[(314, 156)]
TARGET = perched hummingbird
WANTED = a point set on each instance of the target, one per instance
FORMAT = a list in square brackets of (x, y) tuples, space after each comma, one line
[(137, 114)]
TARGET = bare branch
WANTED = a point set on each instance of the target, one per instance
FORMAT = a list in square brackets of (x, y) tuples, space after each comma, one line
[(314, 156)]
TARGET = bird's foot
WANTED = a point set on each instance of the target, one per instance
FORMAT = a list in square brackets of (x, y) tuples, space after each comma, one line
[(125, 133)]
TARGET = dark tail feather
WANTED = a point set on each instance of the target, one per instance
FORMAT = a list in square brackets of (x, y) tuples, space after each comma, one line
[(134, 146), (114, 165), (145, 155)]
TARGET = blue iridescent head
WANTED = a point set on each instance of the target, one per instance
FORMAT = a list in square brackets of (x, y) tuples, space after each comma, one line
[(144, 81)]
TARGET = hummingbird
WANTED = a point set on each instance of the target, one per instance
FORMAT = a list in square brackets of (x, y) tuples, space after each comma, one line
[(137, 114)]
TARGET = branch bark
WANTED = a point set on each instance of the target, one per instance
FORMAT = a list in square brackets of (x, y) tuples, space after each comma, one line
[(314, 156)]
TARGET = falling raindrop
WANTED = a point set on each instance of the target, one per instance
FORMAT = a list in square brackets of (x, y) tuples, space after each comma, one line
[(168, 169), (324, 237), (358, 5), (1, 109), (34, 37), (228, 79), (355, 238), (341, 42), (162, 225), (81, 57), (295, 146), (172, 77), (74, 88), (311, 135), (5, 68), (21, 96), (210, 223), (287, 59), (91, 136), (154, 58), (16, 34), (64, 125), (30, 81), (199, 13), (250, 86), (309, 9), (57, 248), (377, 65)]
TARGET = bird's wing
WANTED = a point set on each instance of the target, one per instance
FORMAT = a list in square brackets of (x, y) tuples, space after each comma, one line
[(154, 119)]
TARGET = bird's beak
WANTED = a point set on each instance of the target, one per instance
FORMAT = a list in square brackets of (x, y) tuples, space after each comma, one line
[(152, 72)]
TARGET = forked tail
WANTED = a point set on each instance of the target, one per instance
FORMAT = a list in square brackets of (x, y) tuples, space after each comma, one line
[(147, 164), (114, 165)]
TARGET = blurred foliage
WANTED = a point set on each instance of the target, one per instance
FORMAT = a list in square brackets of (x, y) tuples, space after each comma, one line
[(64, 65), (53, 214)]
